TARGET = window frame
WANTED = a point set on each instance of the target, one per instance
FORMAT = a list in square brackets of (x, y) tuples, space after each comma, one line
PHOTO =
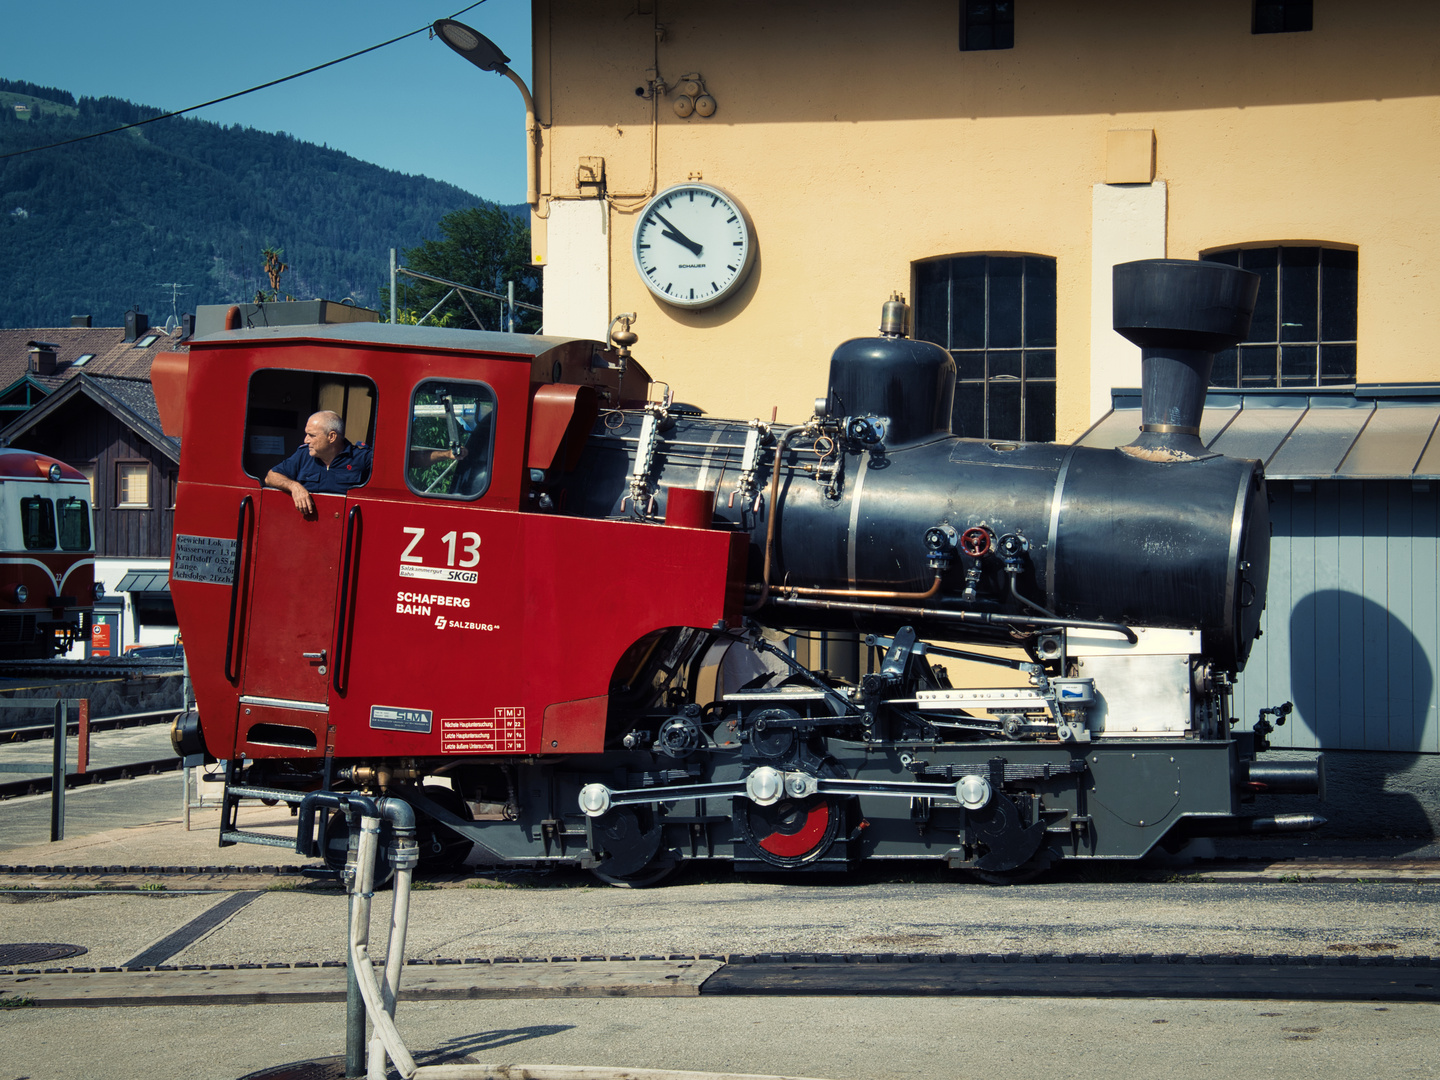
[(48, 504), (120, 486), (999, 32), (1039, 353), (89, 538), (256, 464), (1234, 360), (410, 480)]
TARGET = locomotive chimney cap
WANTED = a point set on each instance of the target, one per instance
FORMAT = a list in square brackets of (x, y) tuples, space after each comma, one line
[(1183, 304)]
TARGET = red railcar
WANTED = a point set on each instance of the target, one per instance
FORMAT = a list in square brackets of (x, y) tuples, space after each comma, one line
[(47, 556)]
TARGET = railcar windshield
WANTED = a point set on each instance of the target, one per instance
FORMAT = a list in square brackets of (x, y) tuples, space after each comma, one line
[(37, 516), (74, 521), (451, 439)]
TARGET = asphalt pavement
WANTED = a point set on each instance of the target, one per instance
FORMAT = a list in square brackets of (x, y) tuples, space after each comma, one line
[(217, 909)]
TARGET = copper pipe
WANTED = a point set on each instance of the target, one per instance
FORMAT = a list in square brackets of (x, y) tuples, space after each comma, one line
[(774, 515), (876, 594)]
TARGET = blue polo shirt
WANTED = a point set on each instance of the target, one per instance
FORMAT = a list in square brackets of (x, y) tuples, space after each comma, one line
[(349, 468)]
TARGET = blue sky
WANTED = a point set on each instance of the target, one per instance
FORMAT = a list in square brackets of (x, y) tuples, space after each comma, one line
[(414, 106)]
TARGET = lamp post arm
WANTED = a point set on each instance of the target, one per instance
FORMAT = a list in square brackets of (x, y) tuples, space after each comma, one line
[(532, 136)]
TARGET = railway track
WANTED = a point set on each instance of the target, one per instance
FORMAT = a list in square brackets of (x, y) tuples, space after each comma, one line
[(41, 785), (1077, 975)]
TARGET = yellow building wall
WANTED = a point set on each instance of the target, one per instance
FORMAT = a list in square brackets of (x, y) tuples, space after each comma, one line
[(861, 139)]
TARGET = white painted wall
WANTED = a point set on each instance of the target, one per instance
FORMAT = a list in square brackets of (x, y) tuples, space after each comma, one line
[(1127, 223), (577, 269)]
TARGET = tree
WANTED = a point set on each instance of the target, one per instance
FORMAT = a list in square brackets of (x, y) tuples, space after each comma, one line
[(484, 247)]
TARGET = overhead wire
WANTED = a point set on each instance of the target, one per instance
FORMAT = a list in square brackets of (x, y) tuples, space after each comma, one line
[(229, 97)]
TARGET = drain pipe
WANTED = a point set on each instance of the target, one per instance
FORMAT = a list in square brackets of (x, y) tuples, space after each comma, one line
[(380, 996)]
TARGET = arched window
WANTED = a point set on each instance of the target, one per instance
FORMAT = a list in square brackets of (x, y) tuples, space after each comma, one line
[(996, 315), (1303, 332)]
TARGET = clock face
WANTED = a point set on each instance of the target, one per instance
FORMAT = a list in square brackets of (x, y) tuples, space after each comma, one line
[(693, 245)]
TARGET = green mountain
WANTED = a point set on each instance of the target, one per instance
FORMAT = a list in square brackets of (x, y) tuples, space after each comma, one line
[(95, 228)]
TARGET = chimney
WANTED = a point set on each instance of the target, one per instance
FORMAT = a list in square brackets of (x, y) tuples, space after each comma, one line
[(80, 322), (187, 326), (1180, 313), (42, 357), (136, 323)]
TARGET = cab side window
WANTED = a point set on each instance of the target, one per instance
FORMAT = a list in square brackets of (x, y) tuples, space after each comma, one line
[(451, 441), (281, 401), (37, 515), (74, 525)]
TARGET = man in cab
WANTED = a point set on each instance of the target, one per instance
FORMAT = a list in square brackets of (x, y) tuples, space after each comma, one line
[(326, 463)]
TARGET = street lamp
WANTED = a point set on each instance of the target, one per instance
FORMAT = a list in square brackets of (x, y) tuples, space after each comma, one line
[(486, 55)]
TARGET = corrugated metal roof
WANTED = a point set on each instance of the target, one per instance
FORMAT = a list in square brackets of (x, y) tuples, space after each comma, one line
[(1349, 433), (145, 581)]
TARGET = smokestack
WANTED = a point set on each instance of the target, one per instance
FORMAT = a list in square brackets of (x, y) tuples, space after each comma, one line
[(1181, 314)]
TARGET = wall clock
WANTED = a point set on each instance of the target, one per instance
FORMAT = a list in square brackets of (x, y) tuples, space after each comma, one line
[(694, 245)]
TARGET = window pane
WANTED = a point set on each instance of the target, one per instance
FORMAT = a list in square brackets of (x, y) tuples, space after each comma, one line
[(1338, 272), (979, 37), (1257, 366), (1337, 365), (1003, 419), (1004, 365), (1229, 258), (969, 365), (932, 302), (1299, 295), (1039, 302), (37, 516), (1297, 365), (969, 416), (451, 435), (1263, 325), (1039, 365), (967, 303), (1006, 276), (1226, 371), (74, 525), (1040, 411), (134, 485)]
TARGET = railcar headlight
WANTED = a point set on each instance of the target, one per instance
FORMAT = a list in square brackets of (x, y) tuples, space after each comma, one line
[(21, 594), (98, 591), (55, 472)]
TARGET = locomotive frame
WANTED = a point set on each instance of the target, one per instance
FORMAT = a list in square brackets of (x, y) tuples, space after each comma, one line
[(566, 609)]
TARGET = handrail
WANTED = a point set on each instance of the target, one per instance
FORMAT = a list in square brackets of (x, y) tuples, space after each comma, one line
[(239, 584), (354, 528)]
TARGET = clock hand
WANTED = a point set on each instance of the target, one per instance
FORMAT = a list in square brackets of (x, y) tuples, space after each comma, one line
[(672, 233)]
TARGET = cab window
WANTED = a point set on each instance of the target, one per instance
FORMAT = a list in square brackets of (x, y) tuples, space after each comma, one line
[(37, 515), (74, 515), (452, 435), (280, 401)]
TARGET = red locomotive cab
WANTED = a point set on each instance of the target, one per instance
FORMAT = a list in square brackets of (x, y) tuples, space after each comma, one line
[(442, 605), (47, 555)]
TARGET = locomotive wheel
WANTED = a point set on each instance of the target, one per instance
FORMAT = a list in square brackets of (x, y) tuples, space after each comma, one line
[(791, 832), (629, 837), (659, 870), (441, 851)]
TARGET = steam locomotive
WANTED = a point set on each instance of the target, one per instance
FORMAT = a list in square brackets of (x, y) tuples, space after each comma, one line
[(573, 622), (47, 556)]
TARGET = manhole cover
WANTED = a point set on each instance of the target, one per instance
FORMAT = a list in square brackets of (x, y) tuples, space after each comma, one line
[(332, 1068), (37, 953)]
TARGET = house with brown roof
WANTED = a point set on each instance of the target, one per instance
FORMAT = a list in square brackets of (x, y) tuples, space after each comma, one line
[(82, 394)]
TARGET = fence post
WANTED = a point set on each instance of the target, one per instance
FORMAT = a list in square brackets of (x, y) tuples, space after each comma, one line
[(82, 733), (57, 776)]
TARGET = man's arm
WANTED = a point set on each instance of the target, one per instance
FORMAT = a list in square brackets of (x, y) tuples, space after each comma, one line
[(303, 502)]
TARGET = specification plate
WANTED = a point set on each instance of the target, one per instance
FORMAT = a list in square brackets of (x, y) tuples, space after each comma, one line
[(390, 718), (209, 559)]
